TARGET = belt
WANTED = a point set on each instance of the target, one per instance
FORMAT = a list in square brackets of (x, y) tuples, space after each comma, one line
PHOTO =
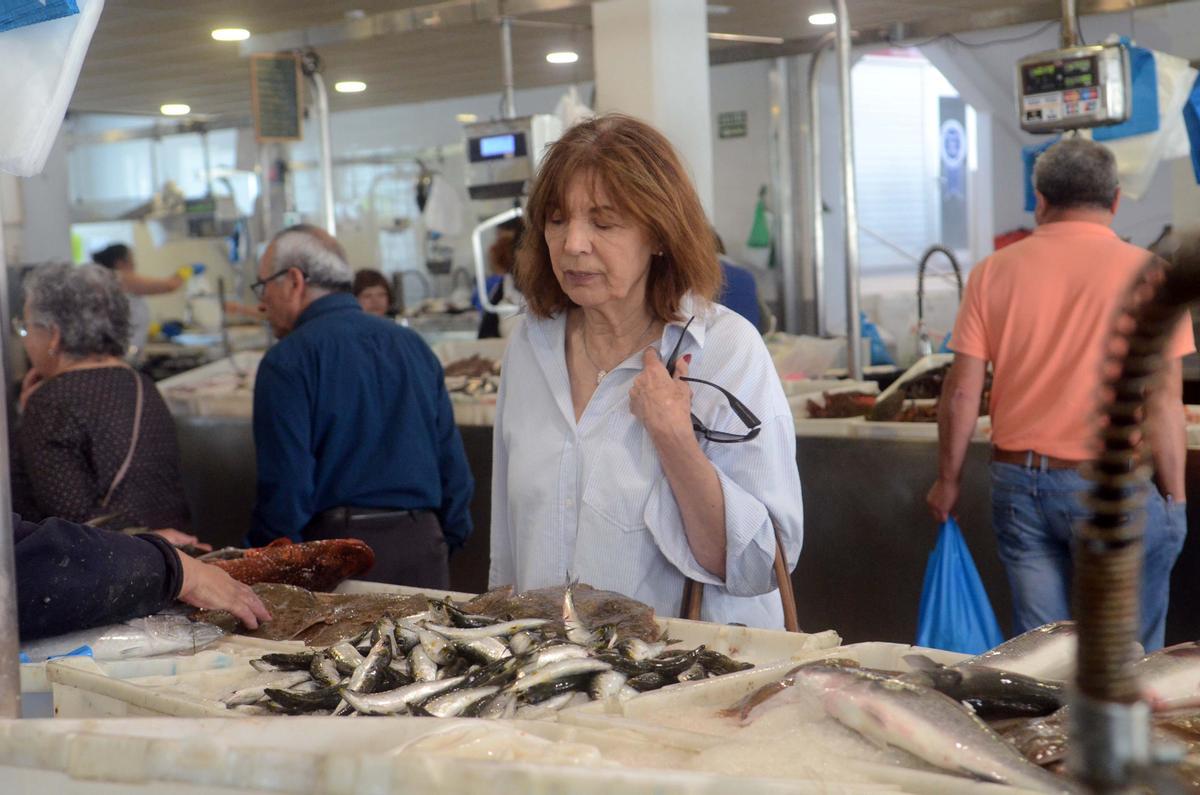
[(347, 514), (1033, 459)]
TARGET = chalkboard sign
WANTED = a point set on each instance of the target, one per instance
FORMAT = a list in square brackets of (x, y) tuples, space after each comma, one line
[(276, 97)]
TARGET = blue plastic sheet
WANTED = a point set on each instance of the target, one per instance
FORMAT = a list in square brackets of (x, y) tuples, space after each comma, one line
[(1191, 120), (1143, 116), (1029, 155), (19, 13), (956, 614)]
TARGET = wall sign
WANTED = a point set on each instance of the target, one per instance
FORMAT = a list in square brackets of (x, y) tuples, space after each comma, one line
[(731, 124), (277, 97)]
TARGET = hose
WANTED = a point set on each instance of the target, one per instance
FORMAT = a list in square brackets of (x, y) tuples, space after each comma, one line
[(925, 257)]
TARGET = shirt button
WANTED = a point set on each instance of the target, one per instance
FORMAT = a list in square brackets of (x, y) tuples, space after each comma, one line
[(570, 502)]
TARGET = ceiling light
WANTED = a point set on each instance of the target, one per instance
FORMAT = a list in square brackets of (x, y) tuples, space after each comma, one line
[(349, 86), (824, 18), (175, 109), (466, 118), (231, 34), (562, 57)]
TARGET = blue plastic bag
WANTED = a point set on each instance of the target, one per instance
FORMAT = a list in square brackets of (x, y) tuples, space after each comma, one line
[(879, 351), (955, 612), (1143, 115), (1191, 120)]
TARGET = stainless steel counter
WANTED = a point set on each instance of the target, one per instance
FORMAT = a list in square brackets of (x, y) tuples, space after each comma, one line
[(867, 533)]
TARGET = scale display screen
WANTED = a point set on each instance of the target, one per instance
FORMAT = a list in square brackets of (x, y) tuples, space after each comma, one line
[(497, 147), (1043, 78)]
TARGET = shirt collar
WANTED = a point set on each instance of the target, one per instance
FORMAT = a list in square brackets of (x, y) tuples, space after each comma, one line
[(1074, 228), (551, 331), (334, 302)]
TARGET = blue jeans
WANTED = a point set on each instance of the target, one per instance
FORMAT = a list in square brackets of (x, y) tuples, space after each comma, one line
[(1034, 512)]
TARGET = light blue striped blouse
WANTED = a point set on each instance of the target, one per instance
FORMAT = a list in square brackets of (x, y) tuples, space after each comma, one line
[(590, 500)]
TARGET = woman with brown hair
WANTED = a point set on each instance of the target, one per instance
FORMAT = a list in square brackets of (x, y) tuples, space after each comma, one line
[(373, 292), (607, 464)]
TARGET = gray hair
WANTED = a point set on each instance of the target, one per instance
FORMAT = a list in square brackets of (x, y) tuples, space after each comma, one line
[(319, 258), (85, 303), (1077, 172)]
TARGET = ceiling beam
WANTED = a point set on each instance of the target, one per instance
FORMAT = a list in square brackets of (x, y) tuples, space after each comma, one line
[(435, 16)]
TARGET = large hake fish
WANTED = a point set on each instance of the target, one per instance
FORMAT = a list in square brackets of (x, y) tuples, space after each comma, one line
[(923, 722), (1045, 652), (1170, 678)]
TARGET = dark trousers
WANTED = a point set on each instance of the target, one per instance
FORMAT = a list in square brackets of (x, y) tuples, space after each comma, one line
[(409, 546)]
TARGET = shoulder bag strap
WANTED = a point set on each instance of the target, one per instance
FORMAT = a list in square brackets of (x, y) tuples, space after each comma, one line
[(133, 440), (693, 592)]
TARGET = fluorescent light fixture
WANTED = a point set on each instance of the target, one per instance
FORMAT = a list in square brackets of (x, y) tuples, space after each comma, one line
[(466, 118), (175, 109), (823, 18), (231, 34), (562, 57), (349, 86)]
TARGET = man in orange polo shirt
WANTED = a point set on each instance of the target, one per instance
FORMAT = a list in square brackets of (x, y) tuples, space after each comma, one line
[(1040, 311)]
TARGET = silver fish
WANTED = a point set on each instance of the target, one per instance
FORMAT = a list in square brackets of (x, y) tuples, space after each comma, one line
[(503, 629), (501, 705), (606, 685), (391, 702), (923, 722), (483, 650), (453, 703), (1046, 652), (555, 653), (385, 628), (696, 672), (346, 655), (557, 671), (366, 676), (324, 670), (399, 665), (423, 669), (637, 649), (407, 635), (577, 632), (544, 708), (1170, 678), (437, 647), (255, 693)]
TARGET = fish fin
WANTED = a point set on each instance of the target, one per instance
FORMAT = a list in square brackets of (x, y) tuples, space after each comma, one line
[(282, 541), (920, 662)]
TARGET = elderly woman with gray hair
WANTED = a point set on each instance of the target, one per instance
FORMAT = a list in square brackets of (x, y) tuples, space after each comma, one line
[(95, 442)]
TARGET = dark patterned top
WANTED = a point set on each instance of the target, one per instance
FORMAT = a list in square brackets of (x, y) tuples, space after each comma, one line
[(72, 440)]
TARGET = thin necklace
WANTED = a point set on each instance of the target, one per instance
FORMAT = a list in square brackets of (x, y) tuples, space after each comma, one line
[(600, 371)]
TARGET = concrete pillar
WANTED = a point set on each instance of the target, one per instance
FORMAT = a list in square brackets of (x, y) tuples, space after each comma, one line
[(651, 61)]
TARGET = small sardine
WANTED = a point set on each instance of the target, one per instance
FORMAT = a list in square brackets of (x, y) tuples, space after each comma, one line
[(544, 708), (557, 671), (324, 670), (255, 693), (651, 680), (576, 631), (395, 701), (437, 647), (297, 702), (992, 693), (452, 704), (483, 650), (637, 649), (284, 662), (693, 674), (555, 653), (606, 685), (365, 678), (503, 629), (346, 657), (467, 620), (520, 643), (501, 705), (422, 668)]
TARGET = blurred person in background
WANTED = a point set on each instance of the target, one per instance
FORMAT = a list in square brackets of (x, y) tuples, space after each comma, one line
[(373, 292), (501, 256), (95, 441), (119, 259)]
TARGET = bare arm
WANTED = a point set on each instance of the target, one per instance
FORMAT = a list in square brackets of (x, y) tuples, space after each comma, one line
[(663, 404), (136, 284), (958, 410), (1166, 430)]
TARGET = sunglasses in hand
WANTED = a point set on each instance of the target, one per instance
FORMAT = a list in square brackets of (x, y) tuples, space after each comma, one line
[(744, 414)]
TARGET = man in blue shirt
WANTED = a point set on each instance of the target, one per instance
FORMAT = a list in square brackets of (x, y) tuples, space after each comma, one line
[(353, 427)]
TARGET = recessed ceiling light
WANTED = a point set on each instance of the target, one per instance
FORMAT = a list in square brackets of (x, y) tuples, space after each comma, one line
[(824, 18), (349, 86), (231, 34), (466, 118), (562, 57), (175, 109)]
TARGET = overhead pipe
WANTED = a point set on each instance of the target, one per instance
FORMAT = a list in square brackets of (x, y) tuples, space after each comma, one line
[(817, 219), (508, 107), (10, 668), (849, 195), (322, 97), (781, 179)]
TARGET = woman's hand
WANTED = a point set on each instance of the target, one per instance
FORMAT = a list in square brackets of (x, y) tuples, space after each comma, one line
[(29, 384), (209, 587), (179, 539), (662, 403)]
